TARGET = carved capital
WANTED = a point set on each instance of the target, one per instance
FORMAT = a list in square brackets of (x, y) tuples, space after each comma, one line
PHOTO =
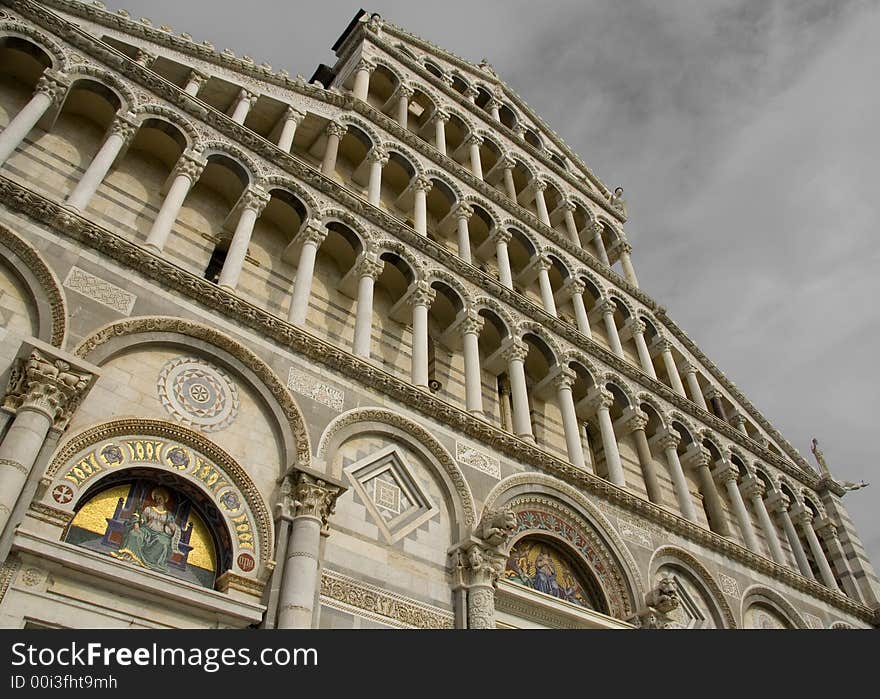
[(711, 393), (197, 77), (366, 64), (508, 162), (474, 140), (801, 515), (599, 399), (687, 368), (144, 58), (49, 385), (53, 84), (471, 324), (725, 472), (405, 91), (255, 199), (294, 115), (752, 486), (515, 351), (538, 185), (606, 307), (502, 235), (697, 456), (636, 326), (777, 502), (123, 127), (564, 378), (668, 440), (336, 129), (313, 232), (738, 420), (422, 184), (576, 286), (369, 265), (313, 497), (463, 211), (421, 294), (439, 115), (377, 154), (245, 95), (636, 420), (189, 166), (825, 529)]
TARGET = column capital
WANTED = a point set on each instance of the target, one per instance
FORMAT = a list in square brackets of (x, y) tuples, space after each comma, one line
[(471, 323), (752, 486), (189, 165), (725, 471), (255, 199), (473, 140), (696, 456), (245, 95), (470, 92), (598, 399), (801, 515), (596, 227), (825, 528), (564, 378), (377, 154), (421, 294), (464, 211), (777, 502), (516, 350), (404, 90), (502, 235), (124, 126), (634, 419), (439, 115), (46, 383), (53, 84), (493, 103), (292, 114), (313, 496), (737, 419), (606, 307), (576, 286), (668, 440), (661, 345), (712, 392), (197, 76), (567, 205), (334, 128), (687, 368), (538, 184), (366, 63), (422, 184), (542, 262), (636, 326), (623, 247), (144, 58), (508, 162), (313, 232), (368, 264)]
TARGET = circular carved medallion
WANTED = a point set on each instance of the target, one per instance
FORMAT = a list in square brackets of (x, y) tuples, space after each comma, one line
[(62, 494), (246, 562), (198, 394)]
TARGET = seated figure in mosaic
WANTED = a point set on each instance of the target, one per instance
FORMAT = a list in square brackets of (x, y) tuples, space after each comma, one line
[(153, 537)]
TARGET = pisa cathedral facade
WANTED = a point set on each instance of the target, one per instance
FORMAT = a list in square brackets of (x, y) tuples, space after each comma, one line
[(362, 351)]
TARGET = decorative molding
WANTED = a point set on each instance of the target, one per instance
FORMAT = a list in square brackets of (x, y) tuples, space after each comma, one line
[(100, 290), (771, 598), (380, 605), (479, 460), (634, 534), (729, 586), (7, 572), (323, 393), (198, 394)]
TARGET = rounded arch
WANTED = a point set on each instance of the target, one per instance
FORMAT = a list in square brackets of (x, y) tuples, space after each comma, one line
[(225, 471), (436, 274), (406, 155), (361, 420), (43, 41), (143, 112), (559, 261), (102, 345), (576, 356), (490, 304), (109, 80), (624, 388), (610, 227), (291, 186), (656, 405), (679, 557), (622, 569), (594, 283), (43, 286), (235, 154), (624, 305), (765, 596), (383, 245), (533, 327), (475, 200), (448, 181), (328, 216), (361, 125), (395, 71), (523, 231), (689, 429)]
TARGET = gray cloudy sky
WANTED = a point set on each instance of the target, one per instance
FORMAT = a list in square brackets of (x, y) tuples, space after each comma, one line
[(744, 133)]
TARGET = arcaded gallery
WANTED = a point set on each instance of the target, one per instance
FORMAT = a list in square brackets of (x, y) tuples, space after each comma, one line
[(365, 349)]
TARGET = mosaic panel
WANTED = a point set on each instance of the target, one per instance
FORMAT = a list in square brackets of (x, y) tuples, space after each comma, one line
[(198, 394), (100, 290), (543, 567)]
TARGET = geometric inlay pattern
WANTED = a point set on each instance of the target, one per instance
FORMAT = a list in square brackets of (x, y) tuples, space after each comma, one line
[(100, 290), (391, 494), (198, 394)]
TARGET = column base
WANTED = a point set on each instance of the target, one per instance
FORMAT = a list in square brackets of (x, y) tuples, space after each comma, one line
[(226, 287), (149, 247)]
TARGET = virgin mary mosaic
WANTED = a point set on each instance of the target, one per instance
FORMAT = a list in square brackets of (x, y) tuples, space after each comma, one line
[(536, 564), (150, 526)]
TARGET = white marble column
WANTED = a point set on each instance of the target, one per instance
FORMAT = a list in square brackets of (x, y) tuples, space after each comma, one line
[(804, 519), (540, 204), (440, 118), (494, 106), (607, 308), (581, 316), (600, 244), (463, 214), (693, 385), (243, 104), (50, 89), (365, 68), (186, 173), (727, 474), (335, 132), (753, 489), (543, 265), (421, 296), (194, 83), (404, 94), (144, 58), (378, 159), (515, 354), (635, 422), (778, 503), (251, 205), (313, 234), (368, 268), (568, 209), (698, 458), (507, 176), (738, 420), (470, 93), (473, 143), (312, 501), (121, 130), (665, 348), (421, 187), (629, 272), (502, 237), (292, 119), (668, 442), (43, 390), (638, 333), (563, 380), (473, 384), (600, 402)]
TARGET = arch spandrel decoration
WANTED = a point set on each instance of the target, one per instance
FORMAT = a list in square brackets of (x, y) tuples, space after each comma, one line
[(130, 449)]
